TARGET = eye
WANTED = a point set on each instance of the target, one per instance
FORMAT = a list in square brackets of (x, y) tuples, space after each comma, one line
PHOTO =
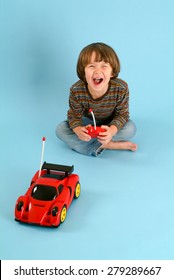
[(105, 65)]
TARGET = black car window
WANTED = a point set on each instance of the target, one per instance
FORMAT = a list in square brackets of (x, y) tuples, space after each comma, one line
[(60, 188), (46, 193)]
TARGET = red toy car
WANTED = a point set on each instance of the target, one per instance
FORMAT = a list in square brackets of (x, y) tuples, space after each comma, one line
[(49, 196)]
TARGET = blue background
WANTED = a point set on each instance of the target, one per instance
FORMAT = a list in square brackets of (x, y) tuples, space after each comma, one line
[(126, 207)]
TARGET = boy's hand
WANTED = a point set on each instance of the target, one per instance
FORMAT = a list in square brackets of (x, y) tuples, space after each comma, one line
[(82, 133), (105, 137)]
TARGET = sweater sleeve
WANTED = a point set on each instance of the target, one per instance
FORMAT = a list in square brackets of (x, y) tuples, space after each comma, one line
[(75, 111), (121, 114)]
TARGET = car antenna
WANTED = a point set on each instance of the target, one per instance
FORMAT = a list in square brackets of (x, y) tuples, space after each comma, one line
[(41, 161), (90, 111)]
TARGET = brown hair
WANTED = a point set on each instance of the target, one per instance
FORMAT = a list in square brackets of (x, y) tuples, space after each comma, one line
[(102, 52)]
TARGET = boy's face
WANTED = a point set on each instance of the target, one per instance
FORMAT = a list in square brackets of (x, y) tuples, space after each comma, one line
[(98, 75)]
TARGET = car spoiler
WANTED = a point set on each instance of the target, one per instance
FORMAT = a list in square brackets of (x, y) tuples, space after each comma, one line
[(56, 167)]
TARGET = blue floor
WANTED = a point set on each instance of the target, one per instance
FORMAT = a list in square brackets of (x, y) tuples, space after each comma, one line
[(126, 206)]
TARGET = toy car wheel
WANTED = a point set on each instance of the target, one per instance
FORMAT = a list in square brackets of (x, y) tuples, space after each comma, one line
[(63, 214), (77, 190)]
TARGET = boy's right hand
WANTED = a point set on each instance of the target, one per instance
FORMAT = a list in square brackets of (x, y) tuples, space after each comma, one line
[(82, 133)]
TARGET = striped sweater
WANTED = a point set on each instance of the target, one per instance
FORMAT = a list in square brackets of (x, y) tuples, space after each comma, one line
[(110, 109)]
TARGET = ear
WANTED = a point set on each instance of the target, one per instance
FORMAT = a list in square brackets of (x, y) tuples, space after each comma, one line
[(112, 74)]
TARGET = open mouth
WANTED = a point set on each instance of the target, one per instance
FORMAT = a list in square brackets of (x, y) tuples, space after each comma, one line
[(97, 81)]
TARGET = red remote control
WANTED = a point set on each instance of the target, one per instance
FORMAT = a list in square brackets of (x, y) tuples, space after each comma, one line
[(95, 132)]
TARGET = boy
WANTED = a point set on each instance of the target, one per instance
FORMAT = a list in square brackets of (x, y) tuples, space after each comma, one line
[(98, 89)]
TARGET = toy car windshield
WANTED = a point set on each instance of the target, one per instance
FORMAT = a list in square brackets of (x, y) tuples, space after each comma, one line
[(41, 192)]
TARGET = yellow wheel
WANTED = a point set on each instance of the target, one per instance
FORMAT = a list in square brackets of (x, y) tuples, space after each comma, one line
[(77, 190), (63, 214)]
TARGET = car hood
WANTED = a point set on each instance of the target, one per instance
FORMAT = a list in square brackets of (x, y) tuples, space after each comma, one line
[(38, 210)]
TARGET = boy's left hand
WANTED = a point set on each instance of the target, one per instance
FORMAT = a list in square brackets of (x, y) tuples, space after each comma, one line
[(105, 137)]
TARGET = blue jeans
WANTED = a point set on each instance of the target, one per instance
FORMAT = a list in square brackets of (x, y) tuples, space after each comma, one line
[(92, 147)]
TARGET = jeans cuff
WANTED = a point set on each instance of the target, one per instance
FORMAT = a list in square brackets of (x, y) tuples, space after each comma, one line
[(98, 151)]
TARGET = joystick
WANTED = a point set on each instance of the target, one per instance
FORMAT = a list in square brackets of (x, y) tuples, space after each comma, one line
[(94, 131)]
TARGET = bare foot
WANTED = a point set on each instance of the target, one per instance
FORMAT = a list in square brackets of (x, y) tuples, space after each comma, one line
[(121, 145)]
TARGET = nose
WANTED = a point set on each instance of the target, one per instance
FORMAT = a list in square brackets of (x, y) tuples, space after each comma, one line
[(97, 71)]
